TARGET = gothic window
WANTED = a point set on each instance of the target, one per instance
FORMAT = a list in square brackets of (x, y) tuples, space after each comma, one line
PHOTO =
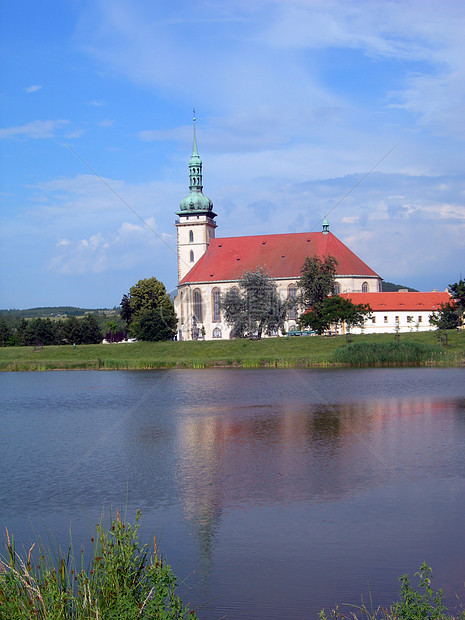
[(337, 289), (292, 295), (217, 332), (365, 287), (198, 305), (216, 306), (191, 237), (191, 256), (182, 308)]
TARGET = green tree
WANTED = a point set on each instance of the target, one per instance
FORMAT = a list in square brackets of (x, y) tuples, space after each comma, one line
[(450, 315), (90, 330), (154, 325), (126, 311), (255, 307), (113, 327), (42, 331), (71, 331), (457, 291), (149, 310), (335, 311), (447, 317), (318, 280), (5, 333)]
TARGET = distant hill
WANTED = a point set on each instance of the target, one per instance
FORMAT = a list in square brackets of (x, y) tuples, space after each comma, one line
[(389, 287), (55, 311)]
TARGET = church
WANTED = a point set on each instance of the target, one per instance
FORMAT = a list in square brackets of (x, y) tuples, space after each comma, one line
[(208, 265)]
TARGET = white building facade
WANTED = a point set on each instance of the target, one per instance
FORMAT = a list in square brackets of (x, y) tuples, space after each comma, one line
[(398, 312)]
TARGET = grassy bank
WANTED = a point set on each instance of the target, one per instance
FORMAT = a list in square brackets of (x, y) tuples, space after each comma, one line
[(315, 351)]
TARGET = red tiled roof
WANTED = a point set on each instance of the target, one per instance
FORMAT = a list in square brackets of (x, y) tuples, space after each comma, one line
[(281, 255), (400, 301)]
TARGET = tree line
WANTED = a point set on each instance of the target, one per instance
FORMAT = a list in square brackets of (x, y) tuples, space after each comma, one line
[(45, 331)]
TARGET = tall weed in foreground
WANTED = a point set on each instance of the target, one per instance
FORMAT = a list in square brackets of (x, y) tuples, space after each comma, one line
[(414, 604), (121, 583)]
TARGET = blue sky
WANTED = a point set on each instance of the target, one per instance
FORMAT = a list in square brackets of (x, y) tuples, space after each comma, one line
[(296, 101)]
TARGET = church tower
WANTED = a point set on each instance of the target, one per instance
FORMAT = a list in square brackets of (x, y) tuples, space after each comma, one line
[(196, 224)]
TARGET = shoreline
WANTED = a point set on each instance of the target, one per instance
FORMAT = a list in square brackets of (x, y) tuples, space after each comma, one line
[(409, 350)]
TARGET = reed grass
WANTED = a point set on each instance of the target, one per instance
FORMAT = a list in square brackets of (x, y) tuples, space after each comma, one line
[(401, 353), (122, 582)]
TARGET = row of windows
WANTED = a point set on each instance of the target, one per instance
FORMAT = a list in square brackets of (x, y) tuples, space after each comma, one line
[(337, 288), (216, 308), (215, 301), (410, 319)]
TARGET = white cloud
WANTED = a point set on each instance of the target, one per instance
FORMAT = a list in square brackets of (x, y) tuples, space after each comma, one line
[(76, 133), (34, 130), (33, 88), (106, 123)]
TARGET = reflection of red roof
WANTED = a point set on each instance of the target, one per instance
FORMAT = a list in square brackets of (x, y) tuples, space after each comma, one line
[(399, 301), (281, 255)]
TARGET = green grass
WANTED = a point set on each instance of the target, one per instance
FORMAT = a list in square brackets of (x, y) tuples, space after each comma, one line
[(313, 351), (389, 354)]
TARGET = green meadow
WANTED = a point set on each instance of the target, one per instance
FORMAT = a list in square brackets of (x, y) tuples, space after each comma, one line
[(428, 348)]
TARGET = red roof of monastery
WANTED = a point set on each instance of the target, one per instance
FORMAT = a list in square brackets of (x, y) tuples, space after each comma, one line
[(400, 301), (281, 255)]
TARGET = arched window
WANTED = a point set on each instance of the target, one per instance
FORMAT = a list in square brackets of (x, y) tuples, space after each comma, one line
[(191, 236), (292, 296), (216, 313), (217, 332), (198, 305), (337, 288), (182, 308), (191, 256), (365, 287)]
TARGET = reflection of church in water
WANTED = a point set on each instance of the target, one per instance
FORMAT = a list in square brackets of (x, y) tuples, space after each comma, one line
[(209, 266), (232, 461)]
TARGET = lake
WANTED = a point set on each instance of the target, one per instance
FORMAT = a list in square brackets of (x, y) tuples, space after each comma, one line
[(273, 493)]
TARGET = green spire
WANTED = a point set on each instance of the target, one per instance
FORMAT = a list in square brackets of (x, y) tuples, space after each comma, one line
[(196, 202), (325, 227)]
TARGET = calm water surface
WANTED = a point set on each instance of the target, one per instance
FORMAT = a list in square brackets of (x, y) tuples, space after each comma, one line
[(273, 493)]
